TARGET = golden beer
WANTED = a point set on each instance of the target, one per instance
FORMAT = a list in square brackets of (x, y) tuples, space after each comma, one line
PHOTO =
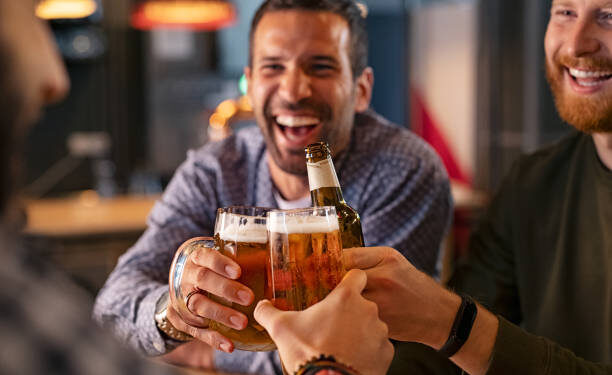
[(306, 256), (325, 191), (241, 234)]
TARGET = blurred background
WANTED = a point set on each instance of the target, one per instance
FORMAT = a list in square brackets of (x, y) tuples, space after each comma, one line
[(149, 83)]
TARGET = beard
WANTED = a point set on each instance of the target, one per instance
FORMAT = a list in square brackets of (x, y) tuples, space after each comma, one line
[(591, 114)]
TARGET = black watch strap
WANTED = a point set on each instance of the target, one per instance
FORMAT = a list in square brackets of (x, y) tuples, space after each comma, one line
[(462, 326)]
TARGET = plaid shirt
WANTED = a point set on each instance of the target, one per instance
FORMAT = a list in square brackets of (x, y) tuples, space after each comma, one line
[(390, 176), (46, 327)]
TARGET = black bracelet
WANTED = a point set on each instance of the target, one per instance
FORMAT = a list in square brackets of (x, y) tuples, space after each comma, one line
[(324, 362), (462, 326)]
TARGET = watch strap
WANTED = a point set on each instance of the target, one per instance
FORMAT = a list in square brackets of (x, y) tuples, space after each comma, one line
[(462, 327), (164, 325)]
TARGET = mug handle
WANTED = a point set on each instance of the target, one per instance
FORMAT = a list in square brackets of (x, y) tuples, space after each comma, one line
[(181, 257)]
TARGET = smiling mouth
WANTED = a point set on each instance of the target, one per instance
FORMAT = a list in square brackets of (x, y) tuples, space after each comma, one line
[(296, 128), (589, 78)]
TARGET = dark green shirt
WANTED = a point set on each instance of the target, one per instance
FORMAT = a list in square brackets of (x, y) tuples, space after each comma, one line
[(541, 258)]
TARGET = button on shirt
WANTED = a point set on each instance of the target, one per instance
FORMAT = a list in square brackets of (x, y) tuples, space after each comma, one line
[(390, 176)]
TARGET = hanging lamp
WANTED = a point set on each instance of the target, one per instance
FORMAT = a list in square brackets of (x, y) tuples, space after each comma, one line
[(65, 9), (199, 15)]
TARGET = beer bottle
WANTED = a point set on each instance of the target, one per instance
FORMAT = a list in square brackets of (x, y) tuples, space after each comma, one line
[(325, 191)]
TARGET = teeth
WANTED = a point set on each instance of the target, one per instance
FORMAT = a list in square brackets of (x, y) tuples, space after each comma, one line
[(295, 121), (588, 74), (588, 84)]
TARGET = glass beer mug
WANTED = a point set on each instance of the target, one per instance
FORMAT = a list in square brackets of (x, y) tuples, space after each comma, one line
[(305, 255), (241, 234)]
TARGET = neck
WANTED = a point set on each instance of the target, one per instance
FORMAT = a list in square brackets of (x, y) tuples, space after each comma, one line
[(290, 186), (603, 144)]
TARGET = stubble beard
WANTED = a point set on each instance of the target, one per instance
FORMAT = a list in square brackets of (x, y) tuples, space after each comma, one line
[(591, 114)]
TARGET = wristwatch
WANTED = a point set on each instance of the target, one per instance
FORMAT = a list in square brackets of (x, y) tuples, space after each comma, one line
[(164, 325)]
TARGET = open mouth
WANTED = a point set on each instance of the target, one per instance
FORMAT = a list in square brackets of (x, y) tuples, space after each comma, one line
[(589, 78), (297, 129)]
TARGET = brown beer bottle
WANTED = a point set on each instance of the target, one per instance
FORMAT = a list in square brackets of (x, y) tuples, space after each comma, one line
[(325, 191)]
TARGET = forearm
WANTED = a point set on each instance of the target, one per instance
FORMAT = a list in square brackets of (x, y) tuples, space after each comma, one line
[(475, 354), (126, 307)]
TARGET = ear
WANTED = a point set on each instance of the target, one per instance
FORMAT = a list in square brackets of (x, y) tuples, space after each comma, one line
[(365, 84), (247, 74)]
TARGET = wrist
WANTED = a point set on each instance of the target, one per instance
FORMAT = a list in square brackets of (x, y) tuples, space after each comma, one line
[(446, 311)]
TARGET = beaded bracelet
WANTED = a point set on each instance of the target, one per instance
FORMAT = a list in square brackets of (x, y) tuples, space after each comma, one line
[(324, 362)]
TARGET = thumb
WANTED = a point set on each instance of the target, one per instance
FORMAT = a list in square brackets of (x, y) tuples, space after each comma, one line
[(363, 257), (355, 280), (265, 313)]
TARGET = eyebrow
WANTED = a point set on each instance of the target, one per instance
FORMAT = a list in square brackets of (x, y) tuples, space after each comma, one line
[(325, 58)]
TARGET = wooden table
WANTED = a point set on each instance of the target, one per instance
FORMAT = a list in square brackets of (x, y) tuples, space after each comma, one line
[(87, 214)]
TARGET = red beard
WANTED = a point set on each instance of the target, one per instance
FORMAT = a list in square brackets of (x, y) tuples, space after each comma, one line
[(591, 114)]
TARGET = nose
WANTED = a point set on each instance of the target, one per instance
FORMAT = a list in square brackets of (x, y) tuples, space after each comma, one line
[(55, 84), (583, 38), (295, 85)]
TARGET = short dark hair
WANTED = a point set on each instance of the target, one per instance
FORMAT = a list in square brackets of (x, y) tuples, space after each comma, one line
[(347, 9)]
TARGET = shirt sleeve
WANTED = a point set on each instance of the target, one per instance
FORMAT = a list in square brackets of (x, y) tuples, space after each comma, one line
[(487, 271), (126, 303), (519, 352), (407, 207)]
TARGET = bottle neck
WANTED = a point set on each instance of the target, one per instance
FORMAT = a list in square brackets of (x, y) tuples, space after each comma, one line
[(323, 181)]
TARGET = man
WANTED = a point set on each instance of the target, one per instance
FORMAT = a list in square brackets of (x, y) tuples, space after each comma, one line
[(541, 256), (308, 81)]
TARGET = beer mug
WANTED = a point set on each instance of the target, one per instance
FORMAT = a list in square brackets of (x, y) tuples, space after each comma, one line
[(305, 255), (241, 234)]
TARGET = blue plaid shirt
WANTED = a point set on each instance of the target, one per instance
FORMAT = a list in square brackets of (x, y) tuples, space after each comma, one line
[(390, 176)]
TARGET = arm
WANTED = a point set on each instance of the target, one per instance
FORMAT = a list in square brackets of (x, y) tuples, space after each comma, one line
[(127, 301), (426, 315)]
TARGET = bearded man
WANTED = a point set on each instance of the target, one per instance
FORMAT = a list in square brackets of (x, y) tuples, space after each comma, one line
[(542, 256)]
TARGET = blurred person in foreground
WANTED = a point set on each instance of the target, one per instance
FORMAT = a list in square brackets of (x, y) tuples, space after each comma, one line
[(541, 258), (44, 319), (308, 81)]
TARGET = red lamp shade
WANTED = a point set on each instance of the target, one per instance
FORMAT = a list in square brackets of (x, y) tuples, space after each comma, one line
[(201, 15)]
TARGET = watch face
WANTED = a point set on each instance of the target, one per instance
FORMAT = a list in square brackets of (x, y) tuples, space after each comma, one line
[(162, 303)]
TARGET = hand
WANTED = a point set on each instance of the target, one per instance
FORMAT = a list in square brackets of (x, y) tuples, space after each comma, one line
[(414, 306), (208, 270), (344, 325)]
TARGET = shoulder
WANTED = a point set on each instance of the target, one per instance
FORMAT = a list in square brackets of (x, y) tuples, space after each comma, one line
[(239, 150), (549, 163), (385, 143)]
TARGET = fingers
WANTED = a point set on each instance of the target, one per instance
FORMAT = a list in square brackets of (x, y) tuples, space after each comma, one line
[(363, 257), (210, 281), (212, 338), (265, 313), (204, 307), (355, 280), (207, 257)]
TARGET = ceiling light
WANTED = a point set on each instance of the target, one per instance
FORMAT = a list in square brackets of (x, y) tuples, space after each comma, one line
[(65, 9), (205, 15)]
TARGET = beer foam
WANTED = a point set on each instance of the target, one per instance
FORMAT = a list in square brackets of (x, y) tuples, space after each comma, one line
[(249, 232), (302, 224)]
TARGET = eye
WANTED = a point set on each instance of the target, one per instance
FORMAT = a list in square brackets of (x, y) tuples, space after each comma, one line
[(321, 69), (564, 13), (606, 16), (271, 68)]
